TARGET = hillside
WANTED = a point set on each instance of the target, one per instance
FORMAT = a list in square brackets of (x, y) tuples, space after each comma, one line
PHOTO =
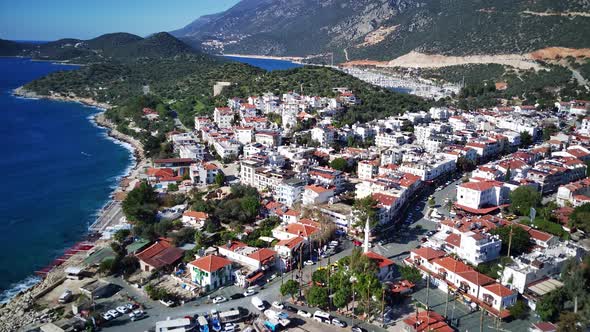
[(113, 46), (385, 29)]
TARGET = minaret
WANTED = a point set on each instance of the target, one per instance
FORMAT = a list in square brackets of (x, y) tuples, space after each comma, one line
[(367, 231)]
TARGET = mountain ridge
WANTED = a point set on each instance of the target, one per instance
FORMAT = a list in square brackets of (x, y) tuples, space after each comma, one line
[(118, 46), (386, 29)]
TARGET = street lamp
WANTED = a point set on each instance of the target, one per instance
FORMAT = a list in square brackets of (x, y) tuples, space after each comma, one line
[(352, 281)]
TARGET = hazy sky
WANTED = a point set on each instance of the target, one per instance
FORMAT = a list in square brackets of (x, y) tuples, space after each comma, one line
[(54, 19)]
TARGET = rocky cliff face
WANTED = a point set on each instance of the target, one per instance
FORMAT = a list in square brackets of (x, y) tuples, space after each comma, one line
[(384, 29)]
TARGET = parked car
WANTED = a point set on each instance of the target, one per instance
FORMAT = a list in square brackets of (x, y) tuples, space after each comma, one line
[(219, 299), (303, 313), (131, 306), (114, 313), (66, 296), (106, 316), (122, 309), (230, 327), (431, 233), (168, 303), (357, 328), (236, 296), (308, 262), (278, 305), (337, 322), (271, 278), (249, 292), (137, 315)]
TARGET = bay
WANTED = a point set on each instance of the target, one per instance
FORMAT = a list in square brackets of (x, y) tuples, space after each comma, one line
[(59, 170)]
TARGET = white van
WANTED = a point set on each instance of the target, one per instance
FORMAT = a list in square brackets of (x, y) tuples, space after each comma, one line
[(321, 316), (257, 303)]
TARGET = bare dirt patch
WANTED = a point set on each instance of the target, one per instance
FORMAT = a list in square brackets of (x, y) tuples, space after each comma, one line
[(556, 53), (377, 36), (421, 60), (569, 14)]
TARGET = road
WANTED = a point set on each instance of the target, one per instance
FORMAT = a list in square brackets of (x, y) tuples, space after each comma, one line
[(405, 238)]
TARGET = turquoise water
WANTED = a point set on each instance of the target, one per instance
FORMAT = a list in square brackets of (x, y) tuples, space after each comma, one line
[(59, 170)]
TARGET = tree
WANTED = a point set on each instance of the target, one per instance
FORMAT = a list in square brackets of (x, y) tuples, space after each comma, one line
[(250, 204), (508, 175), (365, 208), (107, 266), (410, 273), (523, 198), (550, 305), (580, 217), (320, 277), (141, 204), (219, 179), (339, 164), (121, 235), (431, 202), (570, 322), (521, 239), (465, 165), (549, 130), (525, 139), (519, 310), (342, 297), (172, 187), (291, 288), (317, 297)]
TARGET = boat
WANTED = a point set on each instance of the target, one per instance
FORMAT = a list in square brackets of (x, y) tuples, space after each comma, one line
[(203, 324), (215, 324)]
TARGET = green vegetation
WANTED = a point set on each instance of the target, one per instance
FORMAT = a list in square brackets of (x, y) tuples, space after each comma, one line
[(519, 310), (158, 293), (523, 199), (580, 218), (410, 273), (493, 269), (291, 288), (141, 204), (364, 208), (521, 240)]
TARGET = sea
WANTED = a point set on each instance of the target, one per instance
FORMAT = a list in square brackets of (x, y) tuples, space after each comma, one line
[(266, 64), (59, 171)]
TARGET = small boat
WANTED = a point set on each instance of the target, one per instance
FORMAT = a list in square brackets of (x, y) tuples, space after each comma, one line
[(215, 324)]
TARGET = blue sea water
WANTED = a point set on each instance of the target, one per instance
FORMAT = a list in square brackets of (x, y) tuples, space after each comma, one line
[(267, 64), (58, 170)]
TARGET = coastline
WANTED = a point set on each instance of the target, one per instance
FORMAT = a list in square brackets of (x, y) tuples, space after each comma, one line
[(268, 57), (19, 310)]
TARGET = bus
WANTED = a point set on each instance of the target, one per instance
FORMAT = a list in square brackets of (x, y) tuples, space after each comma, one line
[(230, 316)]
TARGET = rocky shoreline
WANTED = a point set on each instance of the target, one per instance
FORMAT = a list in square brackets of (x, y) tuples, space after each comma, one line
[(20, 311)]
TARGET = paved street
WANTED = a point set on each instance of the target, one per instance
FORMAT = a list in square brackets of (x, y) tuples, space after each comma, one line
[(405, 237)]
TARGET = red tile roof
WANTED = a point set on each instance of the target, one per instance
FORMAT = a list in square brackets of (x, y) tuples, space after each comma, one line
[(301, 229), (454, 240), (380, 260), (210, 263), (475, 277), (263, 255), (160, 254), (428, 253), (452, 265), (499, 290), (196, 214), (291, 243), (427, 321)]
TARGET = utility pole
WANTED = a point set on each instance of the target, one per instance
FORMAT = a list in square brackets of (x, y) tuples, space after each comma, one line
[(383, 306), (509, 240), (427, 298), (300, 274)]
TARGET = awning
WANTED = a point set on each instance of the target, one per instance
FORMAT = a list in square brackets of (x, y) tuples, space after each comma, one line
[(255, 277)]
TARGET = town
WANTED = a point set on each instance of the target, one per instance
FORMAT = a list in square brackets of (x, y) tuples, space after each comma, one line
[(272, 216)]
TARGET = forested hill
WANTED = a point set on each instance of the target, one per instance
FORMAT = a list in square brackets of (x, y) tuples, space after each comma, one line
[(385, 29), (108, 47)]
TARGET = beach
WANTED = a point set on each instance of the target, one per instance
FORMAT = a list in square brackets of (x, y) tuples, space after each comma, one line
[(19, 311)]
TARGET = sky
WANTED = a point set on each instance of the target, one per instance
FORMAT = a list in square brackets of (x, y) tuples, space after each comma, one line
[(84, 19)]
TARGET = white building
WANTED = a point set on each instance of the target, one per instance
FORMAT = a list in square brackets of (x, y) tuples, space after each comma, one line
[(539, 264), (323, 135), (204, 173), (196, 151), (483, 194), (210, 272), (244, 135), (223, 117), (290, 191), (314, 194), (367, 169), (386, 139)]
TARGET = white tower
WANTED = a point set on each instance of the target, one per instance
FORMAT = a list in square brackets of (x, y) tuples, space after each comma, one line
[(367, 231)]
